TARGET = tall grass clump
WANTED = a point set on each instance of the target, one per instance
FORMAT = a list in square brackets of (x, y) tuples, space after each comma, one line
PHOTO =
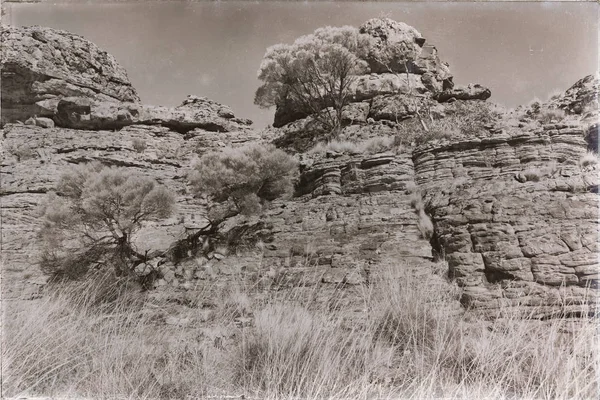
[(294, 353), (440, 354), (65, 346)]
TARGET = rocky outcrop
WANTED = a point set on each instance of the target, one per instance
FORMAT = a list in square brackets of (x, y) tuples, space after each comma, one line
[(400, 48), (399, 63), (510, 203), (469, 92), (34, 158), (42, 65), (581, 98), (516, 217), (195, 112)]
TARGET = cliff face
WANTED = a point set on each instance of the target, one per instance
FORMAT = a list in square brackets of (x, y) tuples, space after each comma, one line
[(512, 205), (516, 215)]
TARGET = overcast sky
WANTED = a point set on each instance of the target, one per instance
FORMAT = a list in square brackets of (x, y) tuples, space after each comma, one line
[(518, 50)]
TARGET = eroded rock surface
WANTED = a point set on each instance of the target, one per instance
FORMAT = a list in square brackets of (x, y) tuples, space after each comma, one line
[(42, 65), (516, 216), (513, 202)]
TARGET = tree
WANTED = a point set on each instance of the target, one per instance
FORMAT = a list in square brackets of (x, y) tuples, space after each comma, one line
[(241, 180), (92, 217), (314, 73)]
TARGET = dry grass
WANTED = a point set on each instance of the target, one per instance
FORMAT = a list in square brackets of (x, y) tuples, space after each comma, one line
[(550, 115), (370, 146), (589, 160), (462, 119), (407, 345), (139, 145)]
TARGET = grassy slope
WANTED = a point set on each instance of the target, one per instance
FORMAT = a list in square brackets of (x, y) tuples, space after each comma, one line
[(404, 345)]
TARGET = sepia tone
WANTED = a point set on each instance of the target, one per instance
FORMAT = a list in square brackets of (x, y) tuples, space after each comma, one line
[(357, 219)]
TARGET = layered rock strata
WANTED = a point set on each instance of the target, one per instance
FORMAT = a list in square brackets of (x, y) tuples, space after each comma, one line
[(516, 216)]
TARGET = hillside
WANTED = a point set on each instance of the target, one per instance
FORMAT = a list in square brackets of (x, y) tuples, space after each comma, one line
[(427, 179)]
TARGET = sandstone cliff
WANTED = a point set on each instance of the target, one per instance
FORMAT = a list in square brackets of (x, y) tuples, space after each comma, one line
[(514, 209)]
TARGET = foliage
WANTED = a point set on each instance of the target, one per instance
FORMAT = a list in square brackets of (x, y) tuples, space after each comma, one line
[(240, 180), (91, 219), (314, 73), (589, 160), (22, 152), (549, 115)]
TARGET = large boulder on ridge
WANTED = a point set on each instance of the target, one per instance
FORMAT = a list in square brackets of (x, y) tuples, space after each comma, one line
[(42, 65), (398, 47)]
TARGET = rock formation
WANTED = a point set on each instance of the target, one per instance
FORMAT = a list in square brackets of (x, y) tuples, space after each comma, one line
[(513, 207), (399, 63), (41, 65)]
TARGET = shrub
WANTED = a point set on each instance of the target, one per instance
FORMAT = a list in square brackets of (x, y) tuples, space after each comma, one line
[(530, 175), (22, 152), (461, 119), (91, 220), (425, 225), (549, 115), (139, 145), (241, 180), (589, 160), (378, 144)]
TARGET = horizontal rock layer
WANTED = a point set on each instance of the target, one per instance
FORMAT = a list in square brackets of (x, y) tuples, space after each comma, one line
[(515, 217)]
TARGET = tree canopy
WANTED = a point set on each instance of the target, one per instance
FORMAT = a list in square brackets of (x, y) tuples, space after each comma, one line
[(314, 73)]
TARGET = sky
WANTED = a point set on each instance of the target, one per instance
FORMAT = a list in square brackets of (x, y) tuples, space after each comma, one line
[(171, 49)]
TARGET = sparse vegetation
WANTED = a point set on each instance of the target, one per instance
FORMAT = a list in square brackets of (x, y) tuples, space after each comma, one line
[(532, 175), (550, 115), (374, 145), (22, 152), (406, 345), (589, 160), (91, 220), (462, 119)]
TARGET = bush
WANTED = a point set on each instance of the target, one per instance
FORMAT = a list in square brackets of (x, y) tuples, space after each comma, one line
[(589, 160), (462, 119), (91, 219), (241, 180), (139, 145), (549, 115)]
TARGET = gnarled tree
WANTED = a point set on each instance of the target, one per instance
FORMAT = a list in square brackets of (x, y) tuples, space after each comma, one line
[(91, 219), (314, 73)]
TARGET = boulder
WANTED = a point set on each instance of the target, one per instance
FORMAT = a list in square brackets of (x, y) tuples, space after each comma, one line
[(43, 64), (398, 47), (394, 43)]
